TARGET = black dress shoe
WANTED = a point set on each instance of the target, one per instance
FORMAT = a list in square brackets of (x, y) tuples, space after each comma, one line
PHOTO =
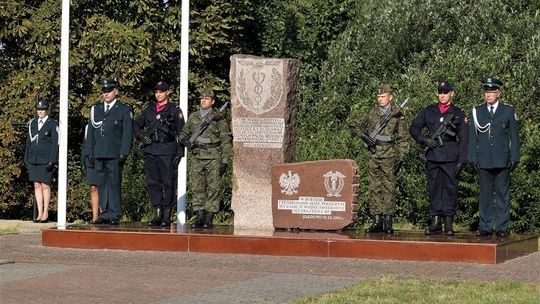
[(483, 233), (100, 221), (501, 233), (44, 221)]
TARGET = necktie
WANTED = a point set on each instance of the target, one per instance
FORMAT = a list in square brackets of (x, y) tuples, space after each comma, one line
[(107, 109), (40, 124), (491, 111)]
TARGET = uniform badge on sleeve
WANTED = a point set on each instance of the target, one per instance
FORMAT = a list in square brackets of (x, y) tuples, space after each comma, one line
[(180, 115)]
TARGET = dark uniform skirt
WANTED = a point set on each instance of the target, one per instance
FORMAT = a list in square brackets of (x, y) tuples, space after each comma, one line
[(92, 176), (39, 173)]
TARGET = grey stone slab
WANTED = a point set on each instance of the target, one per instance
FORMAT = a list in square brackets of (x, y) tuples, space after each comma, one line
[(15, 272)]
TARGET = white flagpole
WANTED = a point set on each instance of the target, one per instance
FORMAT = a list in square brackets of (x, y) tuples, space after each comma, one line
[(63, 119), (182, 167)]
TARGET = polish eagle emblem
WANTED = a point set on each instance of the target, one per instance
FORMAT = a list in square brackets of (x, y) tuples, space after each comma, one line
[(289, 183)]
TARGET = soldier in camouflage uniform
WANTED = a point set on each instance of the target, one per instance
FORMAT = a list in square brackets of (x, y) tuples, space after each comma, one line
[(386, 160), (211, 152)]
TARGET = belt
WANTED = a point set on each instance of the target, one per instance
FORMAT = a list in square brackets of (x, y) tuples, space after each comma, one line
[(207, 146)]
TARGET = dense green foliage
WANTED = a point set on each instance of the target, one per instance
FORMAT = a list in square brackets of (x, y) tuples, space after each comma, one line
[(346, 47)]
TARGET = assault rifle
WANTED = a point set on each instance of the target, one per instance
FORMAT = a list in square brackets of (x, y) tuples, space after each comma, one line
[(207, 120), (161, 124), (375, 136), (443, 129)]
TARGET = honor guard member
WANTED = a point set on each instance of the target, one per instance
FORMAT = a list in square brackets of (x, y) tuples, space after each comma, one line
[(91, 177), (445, 153), (157, 128), (210, 152), (494, 153), (40, 156), (385, 159), (110, 133)]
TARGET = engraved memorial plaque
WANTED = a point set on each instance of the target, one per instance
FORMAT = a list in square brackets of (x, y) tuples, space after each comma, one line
[(315, 195), (264, 107)]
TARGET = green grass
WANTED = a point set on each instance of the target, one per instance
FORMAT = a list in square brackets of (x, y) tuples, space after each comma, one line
[(393, 290)]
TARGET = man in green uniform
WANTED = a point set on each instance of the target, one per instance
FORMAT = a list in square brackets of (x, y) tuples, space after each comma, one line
[(210, 152), (494, 152), (387, 153)]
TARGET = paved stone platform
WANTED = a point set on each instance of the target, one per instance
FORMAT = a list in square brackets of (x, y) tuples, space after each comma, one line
[(402, 245), (38, 274)]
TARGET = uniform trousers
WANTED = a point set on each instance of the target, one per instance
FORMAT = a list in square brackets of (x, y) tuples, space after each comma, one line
[(109, 188), (442, 188), (494, 213), (160, 179), (382, 185), (206, 184)]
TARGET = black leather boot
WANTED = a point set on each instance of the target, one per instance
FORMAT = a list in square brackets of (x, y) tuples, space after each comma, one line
[(156, 221), (377, 225), (435, 227), (388, 222), (208, 220), (448, 229), (166, 217), (199, 221)]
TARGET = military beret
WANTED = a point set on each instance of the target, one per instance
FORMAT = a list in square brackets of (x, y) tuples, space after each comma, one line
[(161, 86), (207, 93), (444, 87), (107, 84), (384, 88), (42, 105), (491, 84)]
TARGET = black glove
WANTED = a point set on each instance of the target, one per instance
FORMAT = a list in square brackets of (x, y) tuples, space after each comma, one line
[(432, 143), (459, 167), (397, 166), (476, 167), (50, 167), (146, 140), (177, 160), (122, 159), (91, 161), (512, 165), (186, 143), (223, 168), (370, 141)]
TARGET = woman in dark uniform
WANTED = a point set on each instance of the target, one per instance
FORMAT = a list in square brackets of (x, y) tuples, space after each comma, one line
[(40, 156), (92, 178)]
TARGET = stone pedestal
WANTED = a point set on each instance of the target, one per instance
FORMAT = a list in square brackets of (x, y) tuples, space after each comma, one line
[(315, 195), (264, 108)]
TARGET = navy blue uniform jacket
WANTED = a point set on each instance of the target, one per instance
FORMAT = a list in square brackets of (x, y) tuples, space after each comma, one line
[(113, 137), (499, 145), (44, 149), (451, 151)]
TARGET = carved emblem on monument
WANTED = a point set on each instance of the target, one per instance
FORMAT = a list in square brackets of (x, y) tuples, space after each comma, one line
[(289, 183), (333, 183), (259, 84)]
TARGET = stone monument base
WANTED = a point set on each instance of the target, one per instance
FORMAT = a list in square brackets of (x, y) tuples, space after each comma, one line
[(403, 245)]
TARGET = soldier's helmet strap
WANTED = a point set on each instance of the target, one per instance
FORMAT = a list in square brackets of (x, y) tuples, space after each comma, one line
[(95, 124), (479, 128)]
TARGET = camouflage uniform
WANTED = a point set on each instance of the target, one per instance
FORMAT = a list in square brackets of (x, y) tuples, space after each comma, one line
[(211, 150), (381, 164)]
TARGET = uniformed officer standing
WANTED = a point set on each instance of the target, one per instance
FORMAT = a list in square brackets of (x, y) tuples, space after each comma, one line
[(157, 127), (494, 152), (445, 154), (110, 132), (211, 152), (389, 149), (91, 177), (40, 156)]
